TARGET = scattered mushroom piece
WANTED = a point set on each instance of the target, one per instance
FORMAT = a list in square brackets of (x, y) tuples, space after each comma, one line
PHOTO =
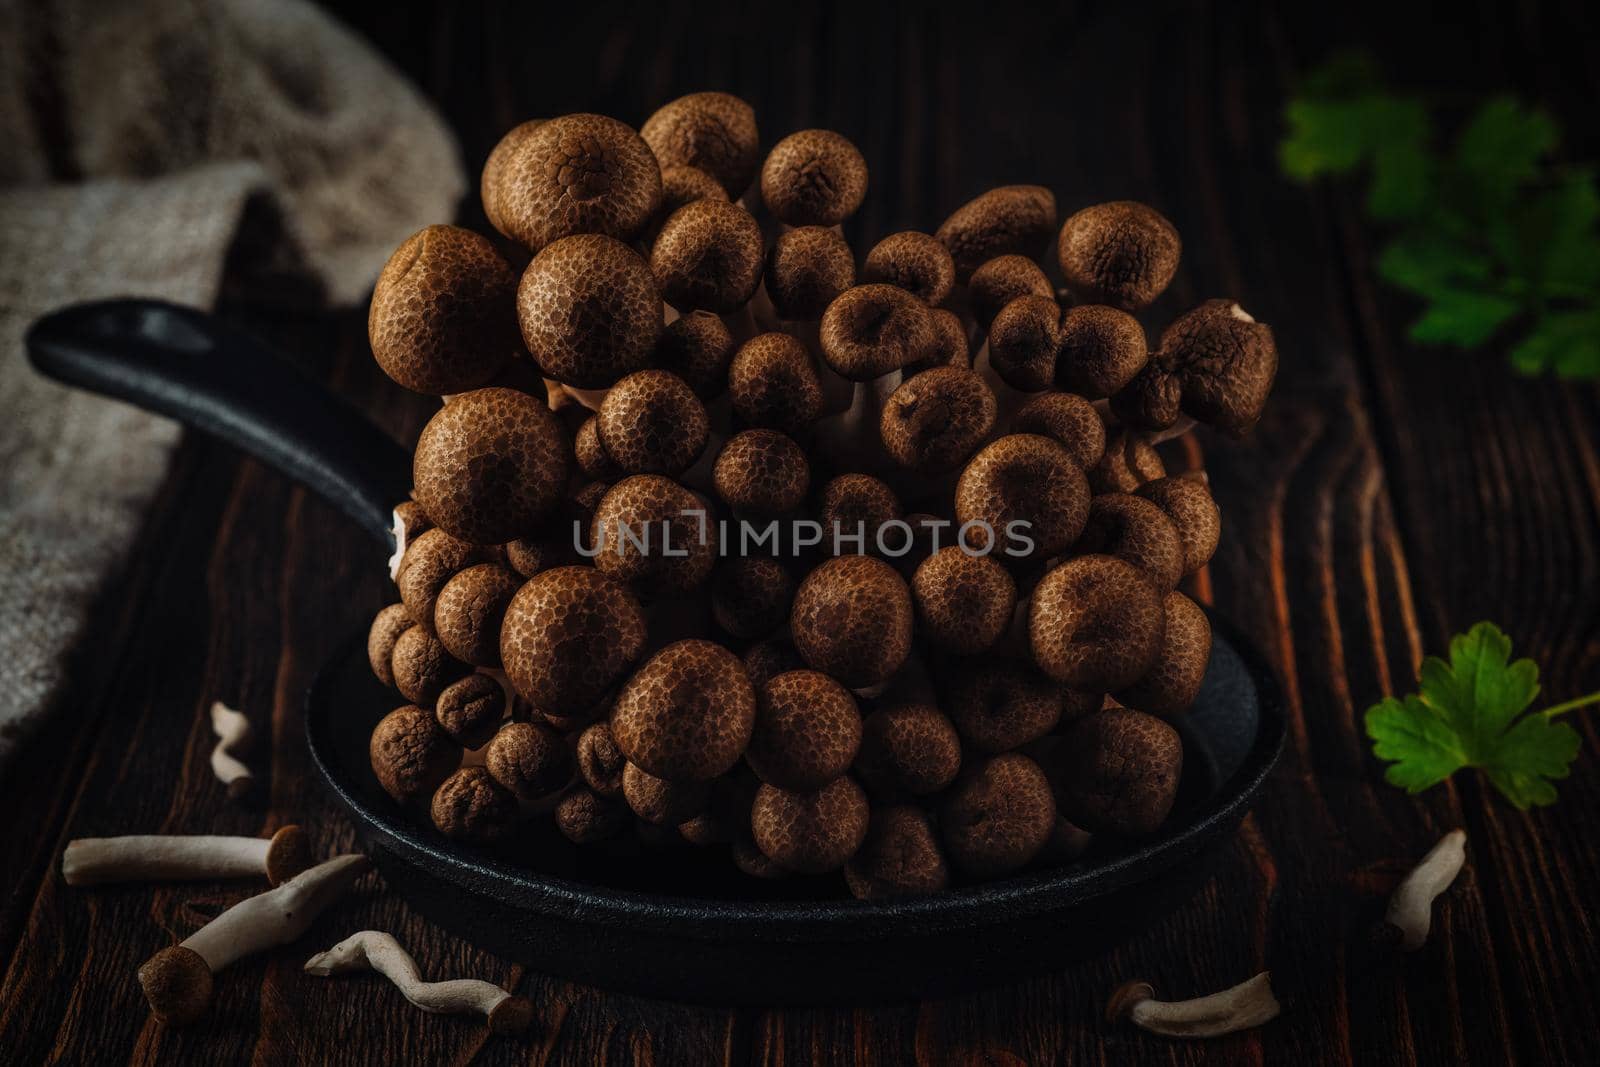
[(1070, 421), (1411, 908), (852, 619), (470, 805), (569, 635), (163, 857), (964, 602), (1246, 1005), (1008, 219), (651, 532), (410, 754), (1022, 486), (686, 715), (715, 132), (762, 472), (1121, 253), (807, 268), (899, 857), (814, 178), (232, 728), (590, 311), (934, 421), (1095, 623), (651, 422), (810, 832), (697, 347), (916, 262), (1215, 364), (1001, 280), (469, 610), (772, 383), (1118, 771), (999, 817), (908, 749), (807, 731)]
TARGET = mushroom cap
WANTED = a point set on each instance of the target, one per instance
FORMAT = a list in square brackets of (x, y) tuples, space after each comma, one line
[(431, 561), (1215, 364), (767, 659), (590, 452), (726, 816), (854, 504), (468, 612), (682, 185), (471, 806), (852, 619), (1001, 705), (660, 802), (1121, 253), (422, 666), (1025, 341), (288, 853), (491, 465), (916, 262), (814, 178), (471, 709), (752, 861), (590, 311), (934, 421), (651, 532), (807, 268), (1118, 771), (600, 760), (410, 754), (908, 750), (557, 544), (709, 254), (530, 760), (762, 472), (1188, 503), (1129, 461), (651, 422), (686, 715), (899, 857), (715, 132), (441, 318), (807, 731), (751, 595), (1099, 351), (569, 635), (871, 330), (177, 982), (999, 817), (1023, 478), (1007, 219), (1069, 420), (811, 832), (387, 626), (1096, 623), (950, 348), (1134, 529), (772, 383), (586, 819), (578, 174), (1170, 686), (697, 347), (964, 601), (1001, 280)]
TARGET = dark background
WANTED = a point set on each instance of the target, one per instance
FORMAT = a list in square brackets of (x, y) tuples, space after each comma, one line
[(1393, 495)]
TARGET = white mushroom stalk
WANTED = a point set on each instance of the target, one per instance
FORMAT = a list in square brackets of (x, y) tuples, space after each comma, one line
[(399, 531), (233, 735), (1411, 907), (372, 950), (160, 857), (1246, 1005)]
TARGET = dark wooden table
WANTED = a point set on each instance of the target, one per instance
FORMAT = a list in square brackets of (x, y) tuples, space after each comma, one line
[(1391, 496)]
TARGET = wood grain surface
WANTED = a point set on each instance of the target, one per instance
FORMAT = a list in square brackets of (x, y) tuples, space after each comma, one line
[(1391, 496)]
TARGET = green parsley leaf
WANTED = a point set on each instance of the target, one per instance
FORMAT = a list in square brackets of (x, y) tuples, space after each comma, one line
[(1565, 342), (1462, 317), (1469, 712), (1503, 144)]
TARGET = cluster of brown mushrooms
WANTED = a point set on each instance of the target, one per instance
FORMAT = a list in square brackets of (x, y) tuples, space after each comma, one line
[(971, 670)]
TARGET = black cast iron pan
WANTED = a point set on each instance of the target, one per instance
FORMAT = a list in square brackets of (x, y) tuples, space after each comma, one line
[(677, 923)]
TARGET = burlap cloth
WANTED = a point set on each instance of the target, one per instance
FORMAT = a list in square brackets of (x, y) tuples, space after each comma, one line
[(135, 137)]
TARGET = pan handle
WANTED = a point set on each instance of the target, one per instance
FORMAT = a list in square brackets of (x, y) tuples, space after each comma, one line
[(190, 366)]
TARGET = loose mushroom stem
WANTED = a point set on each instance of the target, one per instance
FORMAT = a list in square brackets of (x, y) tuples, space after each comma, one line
[(233, 734), (155, 857), (1411, 907), (1245, 1005), (372, 950)]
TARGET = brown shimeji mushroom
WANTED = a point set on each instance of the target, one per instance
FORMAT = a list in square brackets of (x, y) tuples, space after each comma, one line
[(899, 857), (651, 422), (714, 132), (469, 610), (708, 255), (853, 509), (814, 178), (999, 817), (650, 532), (1069, 420), (697, 347), (807, 268), (1172, 683), (686, 715), (807, 731), (1121, 253), (411, 755), (810, 832), (934, 421), (472, 806), (169, 857), (773, 384), (1096, 623), (569, 635), (1133, 529), (1009, 219), (964, 602), (1022, 479), (1117, 771), (916, 262), (762, 472), (852, 619), (1215, 364), (1188, 503), (908, 750), (1001, 280), (590, 311)]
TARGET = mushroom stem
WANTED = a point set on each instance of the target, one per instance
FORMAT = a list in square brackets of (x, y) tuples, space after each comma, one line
[(233, 733), (1245, 1005), (372, 950), (852, 437), (158, 857), (400, 538), (1411, 907)]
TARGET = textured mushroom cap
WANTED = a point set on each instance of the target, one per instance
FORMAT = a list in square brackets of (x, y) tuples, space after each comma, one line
[(807, 731), (910, 749), (590, 311), (1099, 350), (660, 802), (684, 185), (999, 817), (557, 543), (899, 857), (1130, 460), (708, 255), (765, 660), (1118, 771), (811, 832), (652, 423), (1096, 623), (471, 806), (871, 330), (964, 602), (529, 759), (177, 982), (471, 709), (288, 853), (387, 626), (950, 347), (808, 267), (772, 383), (1215, 364), (1134, 529), (1188, 503), (1011, 218), (814, 178), (431, 561), (916, 262), (590, 452), (600, 760), (1023, 478), (715, 132), (637, 520), (934, 421), (751, 595), (569, 634), (1169, 687), (410, 754), (1070, 421), (763, 472), (578, 174), (410, 517), (852, 619), (422, 666), (441, 318), (467, 615), (1121, 253), (491, 465), (697, 347), (752, 861), (854, 504), (1024, 342), (586, 819), (1002, 280), (686, 715), (1000, 705)]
